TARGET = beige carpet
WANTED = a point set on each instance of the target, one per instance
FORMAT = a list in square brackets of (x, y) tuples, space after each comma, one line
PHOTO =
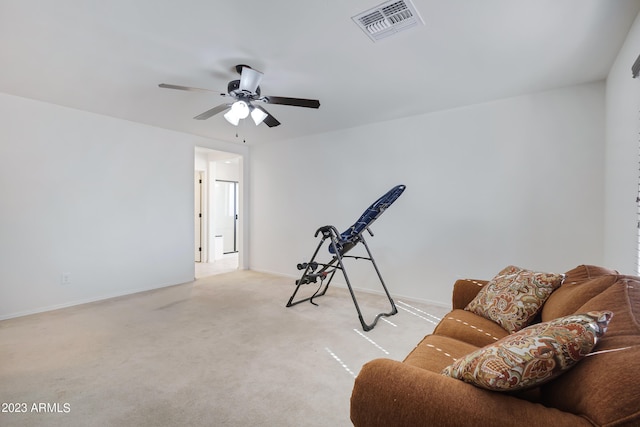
[(220, 351)]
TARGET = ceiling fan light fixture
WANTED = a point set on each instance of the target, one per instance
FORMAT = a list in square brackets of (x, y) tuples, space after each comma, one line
[(232, 118), (258, 116), (239, 110)]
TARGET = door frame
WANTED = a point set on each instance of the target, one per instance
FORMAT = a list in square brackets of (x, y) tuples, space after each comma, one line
[(198, 217), (210, 160)]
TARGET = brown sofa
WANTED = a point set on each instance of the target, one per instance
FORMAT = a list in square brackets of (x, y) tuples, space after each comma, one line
[(600, 390)]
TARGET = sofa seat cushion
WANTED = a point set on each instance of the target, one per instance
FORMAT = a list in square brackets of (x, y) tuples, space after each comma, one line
[(436, 352), (469, 327), (532, 356), (514, 296)]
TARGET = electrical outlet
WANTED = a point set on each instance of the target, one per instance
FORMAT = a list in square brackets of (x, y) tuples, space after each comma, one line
[(66, 278)]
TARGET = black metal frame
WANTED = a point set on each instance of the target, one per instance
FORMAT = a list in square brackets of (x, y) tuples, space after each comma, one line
[(326, 271)]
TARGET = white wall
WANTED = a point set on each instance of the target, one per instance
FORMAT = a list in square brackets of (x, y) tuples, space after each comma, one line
[(517, 181), (622, 131), (109, 202)]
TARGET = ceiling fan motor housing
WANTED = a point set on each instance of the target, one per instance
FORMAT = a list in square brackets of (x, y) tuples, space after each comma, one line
[(233, 89)]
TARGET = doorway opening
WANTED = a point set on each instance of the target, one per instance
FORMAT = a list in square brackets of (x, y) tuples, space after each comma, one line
[(218, 211)]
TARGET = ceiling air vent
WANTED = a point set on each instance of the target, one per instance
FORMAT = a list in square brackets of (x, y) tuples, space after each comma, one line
[(388, 19)]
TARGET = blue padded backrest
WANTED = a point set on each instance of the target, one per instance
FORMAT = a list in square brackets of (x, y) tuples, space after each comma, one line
[(370, 215)]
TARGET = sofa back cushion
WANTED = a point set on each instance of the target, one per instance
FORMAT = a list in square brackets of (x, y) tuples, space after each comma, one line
[(605, 386), (580, 285), (584, 272)]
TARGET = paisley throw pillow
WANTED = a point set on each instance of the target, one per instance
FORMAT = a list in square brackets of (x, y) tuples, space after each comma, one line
[(513, 297), (534, 355)]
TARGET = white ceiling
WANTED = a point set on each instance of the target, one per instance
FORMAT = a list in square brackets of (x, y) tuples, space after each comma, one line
[(108, 57)]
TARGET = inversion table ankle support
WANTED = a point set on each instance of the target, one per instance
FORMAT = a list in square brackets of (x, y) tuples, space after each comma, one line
[(339, 245)]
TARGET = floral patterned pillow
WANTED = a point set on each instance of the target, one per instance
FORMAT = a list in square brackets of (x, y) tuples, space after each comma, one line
[(534, 355), (513, 298)]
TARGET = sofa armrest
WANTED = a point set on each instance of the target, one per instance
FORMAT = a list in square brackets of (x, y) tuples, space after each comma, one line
[(464, 291), (390, 393)]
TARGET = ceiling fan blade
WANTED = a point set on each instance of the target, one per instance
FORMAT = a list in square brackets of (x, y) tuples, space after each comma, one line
[(212, 112), (250, 79), (296, 102), (191, 89), (269, 120)]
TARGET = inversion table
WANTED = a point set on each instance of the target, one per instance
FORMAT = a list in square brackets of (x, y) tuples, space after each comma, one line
[(339, 245)]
